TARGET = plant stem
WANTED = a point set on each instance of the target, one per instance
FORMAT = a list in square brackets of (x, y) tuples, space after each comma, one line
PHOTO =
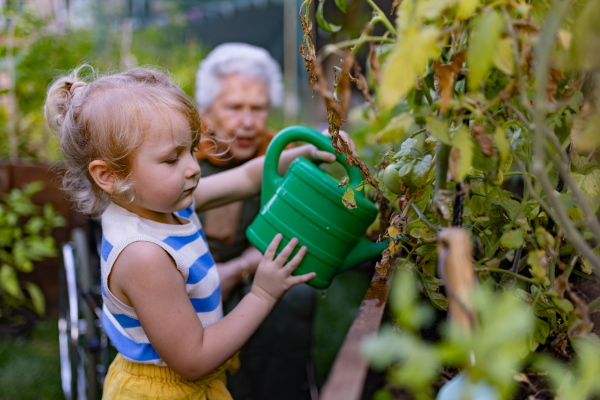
[(424, 218), (332, 48), (593, 306), (426, 92), (516, 59), (382, 18), (442, 153), (571, 265), (503, 271), (543, 51), (589, 215)]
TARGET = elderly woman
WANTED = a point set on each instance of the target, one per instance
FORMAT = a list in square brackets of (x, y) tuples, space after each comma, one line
[(237, 85)]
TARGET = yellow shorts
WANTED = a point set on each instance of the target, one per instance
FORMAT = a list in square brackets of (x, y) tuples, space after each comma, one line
[(126, 380)]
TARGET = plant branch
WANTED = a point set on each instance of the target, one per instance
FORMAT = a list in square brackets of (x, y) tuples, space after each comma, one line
[(381, 17), (516, 59), (333, 48), (589, 215), (504, 271), (424, 218)]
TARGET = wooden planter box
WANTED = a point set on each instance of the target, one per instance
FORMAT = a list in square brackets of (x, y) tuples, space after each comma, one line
[(350, 377), (45, 273)]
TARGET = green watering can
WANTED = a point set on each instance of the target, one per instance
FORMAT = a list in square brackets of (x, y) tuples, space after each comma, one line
[(307, 204)]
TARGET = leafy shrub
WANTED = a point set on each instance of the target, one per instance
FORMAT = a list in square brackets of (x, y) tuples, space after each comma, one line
[(490, 112), (25, 237)]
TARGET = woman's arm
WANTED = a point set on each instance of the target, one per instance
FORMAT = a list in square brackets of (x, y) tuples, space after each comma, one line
[(145, 277), (245, 181)]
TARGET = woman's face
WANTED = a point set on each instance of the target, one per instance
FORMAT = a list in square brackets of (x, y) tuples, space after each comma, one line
[(239, 115)]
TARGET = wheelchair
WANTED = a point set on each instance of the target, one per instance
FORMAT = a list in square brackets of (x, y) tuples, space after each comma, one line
[(85, 351)]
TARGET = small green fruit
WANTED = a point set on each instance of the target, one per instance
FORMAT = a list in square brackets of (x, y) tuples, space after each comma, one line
[(391, 180)]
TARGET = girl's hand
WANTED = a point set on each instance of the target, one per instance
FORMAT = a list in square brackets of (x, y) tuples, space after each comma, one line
[(273, 278)]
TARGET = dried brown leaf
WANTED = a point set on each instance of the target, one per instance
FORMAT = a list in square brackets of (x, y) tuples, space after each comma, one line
[(383, 266), (485, 141), (445, 83), (363, 86), (375, 65), (453, 162)]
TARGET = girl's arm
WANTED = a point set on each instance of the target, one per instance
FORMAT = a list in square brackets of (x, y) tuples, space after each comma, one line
[(145, 277), (245, 181)]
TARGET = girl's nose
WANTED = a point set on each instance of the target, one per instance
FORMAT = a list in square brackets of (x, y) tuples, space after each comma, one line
[(193, 168)]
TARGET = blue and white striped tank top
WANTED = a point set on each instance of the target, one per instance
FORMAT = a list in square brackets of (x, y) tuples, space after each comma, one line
[(186, 244)]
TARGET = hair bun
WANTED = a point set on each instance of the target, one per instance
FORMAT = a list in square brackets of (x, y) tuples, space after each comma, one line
[(77, 86)]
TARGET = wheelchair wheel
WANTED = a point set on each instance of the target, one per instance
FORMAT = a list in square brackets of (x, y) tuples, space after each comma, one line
[(83, 343), (71, 363)]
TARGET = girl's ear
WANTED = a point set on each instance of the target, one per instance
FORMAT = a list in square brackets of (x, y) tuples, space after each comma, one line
[(103, 176)]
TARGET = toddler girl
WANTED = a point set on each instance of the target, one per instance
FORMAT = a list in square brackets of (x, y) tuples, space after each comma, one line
[(128, 142)]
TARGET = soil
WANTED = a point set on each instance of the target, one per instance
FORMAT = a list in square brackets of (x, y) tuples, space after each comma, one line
[(589, 290)]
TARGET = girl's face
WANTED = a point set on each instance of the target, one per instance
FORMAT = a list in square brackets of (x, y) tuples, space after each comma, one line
[(164, 170)]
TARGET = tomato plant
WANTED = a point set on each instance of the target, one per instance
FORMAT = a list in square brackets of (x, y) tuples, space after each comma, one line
[(492, 106)]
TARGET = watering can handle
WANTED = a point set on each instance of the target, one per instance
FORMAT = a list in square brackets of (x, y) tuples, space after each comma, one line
[(271, 178)]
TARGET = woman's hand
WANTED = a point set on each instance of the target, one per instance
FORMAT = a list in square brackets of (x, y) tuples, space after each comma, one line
[(325, 156), (344, 135), (273, 278)]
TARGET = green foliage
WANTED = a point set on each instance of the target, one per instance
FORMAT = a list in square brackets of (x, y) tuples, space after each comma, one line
[(42, 55), (25, 237), (326, 26), (492, 353), (483, 100)]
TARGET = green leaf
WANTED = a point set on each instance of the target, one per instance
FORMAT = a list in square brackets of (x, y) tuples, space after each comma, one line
[(461, 157), (538, 335), (348, 199), (538, 262), (543, 237), (512, 239), (431, 287), (438, 129), (420, 170), (503, 57), (37, 298), (32, 188), (484, 40), (585, 46), (326, 26), (406, 148), (466, 8), (422, 232), (405, 169), (590, 183), (407, 61), (9, 281), (34, 225), (396, 129), (342, 5), (383, 394)]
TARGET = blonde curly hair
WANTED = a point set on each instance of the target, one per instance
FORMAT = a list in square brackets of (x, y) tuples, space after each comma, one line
[(105, 118)]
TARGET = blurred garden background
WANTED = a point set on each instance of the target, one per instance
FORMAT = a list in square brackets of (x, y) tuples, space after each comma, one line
[(41, 40)]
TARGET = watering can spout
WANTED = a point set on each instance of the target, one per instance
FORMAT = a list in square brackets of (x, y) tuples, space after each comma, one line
[(363, 251)]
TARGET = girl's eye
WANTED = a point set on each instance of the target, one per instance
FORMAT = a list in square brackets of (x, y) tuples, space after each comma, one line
[(171, 160)]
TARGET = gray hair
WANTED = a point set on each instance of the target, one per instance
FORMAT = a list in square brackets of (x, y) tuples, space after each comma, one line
[(237, 58)]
